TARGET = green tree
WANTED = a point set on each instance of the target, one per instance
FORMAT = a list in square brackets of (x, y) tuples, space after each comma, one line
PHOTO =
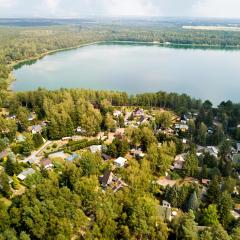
[(210, 215), (186, 227), (214, 192), (163, 119), (16, 183), (9, 166), (224, 206), (202, 134), (38, 140), (190, 167), (4, 185)]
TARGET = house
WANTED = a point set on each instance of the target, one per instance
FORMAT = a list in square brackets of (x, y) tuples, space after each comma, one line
[(12, 116), (72, 157), (212, 151), (36, 129), (107, 178), (238, 147), (166, 204), (95, 148), (20, 138), (120, 162), (80, 130), (117, 113), (181, 127), (33, 160), (164, 212), (137, 153), (31, 117), (47, 164), (179, 162), (106, 157), (3, 154), (205, 181), (22, 176), (120, 132), (138, 112)]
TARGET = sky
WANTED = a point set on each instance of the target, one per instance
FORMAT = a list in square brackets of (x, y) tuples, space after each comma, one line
[(118, 8)]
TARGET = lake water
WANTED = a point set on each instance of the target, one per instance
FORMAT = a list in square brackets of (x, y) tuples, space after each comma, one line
[(136, 68)]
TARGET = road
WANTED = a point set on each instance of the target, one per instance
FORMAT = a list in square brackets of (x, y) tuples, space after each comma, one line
[(35, 154)]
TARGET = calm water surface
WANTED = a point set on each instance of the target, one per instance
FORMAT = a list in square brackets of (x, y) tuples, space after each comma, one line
[(205, 74)]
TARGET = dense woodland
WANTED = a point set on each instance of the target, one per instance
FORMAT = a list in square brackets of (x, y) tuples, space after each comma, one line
[(68, 202)]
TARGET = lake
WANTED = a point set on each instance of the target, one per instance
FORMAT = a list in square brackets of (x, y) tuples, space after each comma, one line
[(136, 68)]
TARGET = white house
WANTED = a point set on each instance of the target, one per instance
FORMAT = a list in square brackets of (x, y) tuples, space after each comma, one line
[(95, 148), (120, 162), (25, 173), (117, 113), (212, 151)]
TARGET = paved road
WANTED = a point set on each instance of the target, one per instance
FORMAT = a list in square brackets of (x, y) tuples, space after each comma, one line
[(34, 154)]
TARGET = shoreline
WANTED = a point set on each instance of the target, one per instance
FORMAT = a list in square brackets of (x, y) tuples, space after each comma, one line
[(12, 65)]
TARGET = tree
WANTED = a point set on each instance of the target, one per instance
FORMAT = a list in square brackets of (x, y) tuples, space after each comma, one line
[(163, 119), (16, 183), (218, 232), (4, 185), (235, 233), (190, 167), (9, 166), (210, 215), (110, 124), (38, 140), (214, 192), (186, 227), (202, 134), (224, 206), (193, 202)]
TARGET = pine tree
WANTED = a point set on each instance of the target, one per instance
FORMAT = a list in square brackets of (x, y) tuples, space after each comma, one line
[(193, 202), (225, 205), (214, 192)]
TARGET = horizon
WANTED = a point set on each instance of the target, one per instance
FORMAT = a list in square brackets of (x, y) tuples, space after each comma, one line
[(60, 9)]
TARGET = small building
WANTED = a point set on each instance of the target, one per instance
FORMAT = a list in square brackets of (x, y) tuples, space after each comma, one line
[(212, 151), (22, 176), (33, 160), (36, 129), (47, 164), (205, 182), (95, 148), (138, 112), (106, 157), (107, 178), (179, 162), (164, 212), (117, 113), (120, 162), (166, 204), (137, 153), (31, 117), (20, 138)]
